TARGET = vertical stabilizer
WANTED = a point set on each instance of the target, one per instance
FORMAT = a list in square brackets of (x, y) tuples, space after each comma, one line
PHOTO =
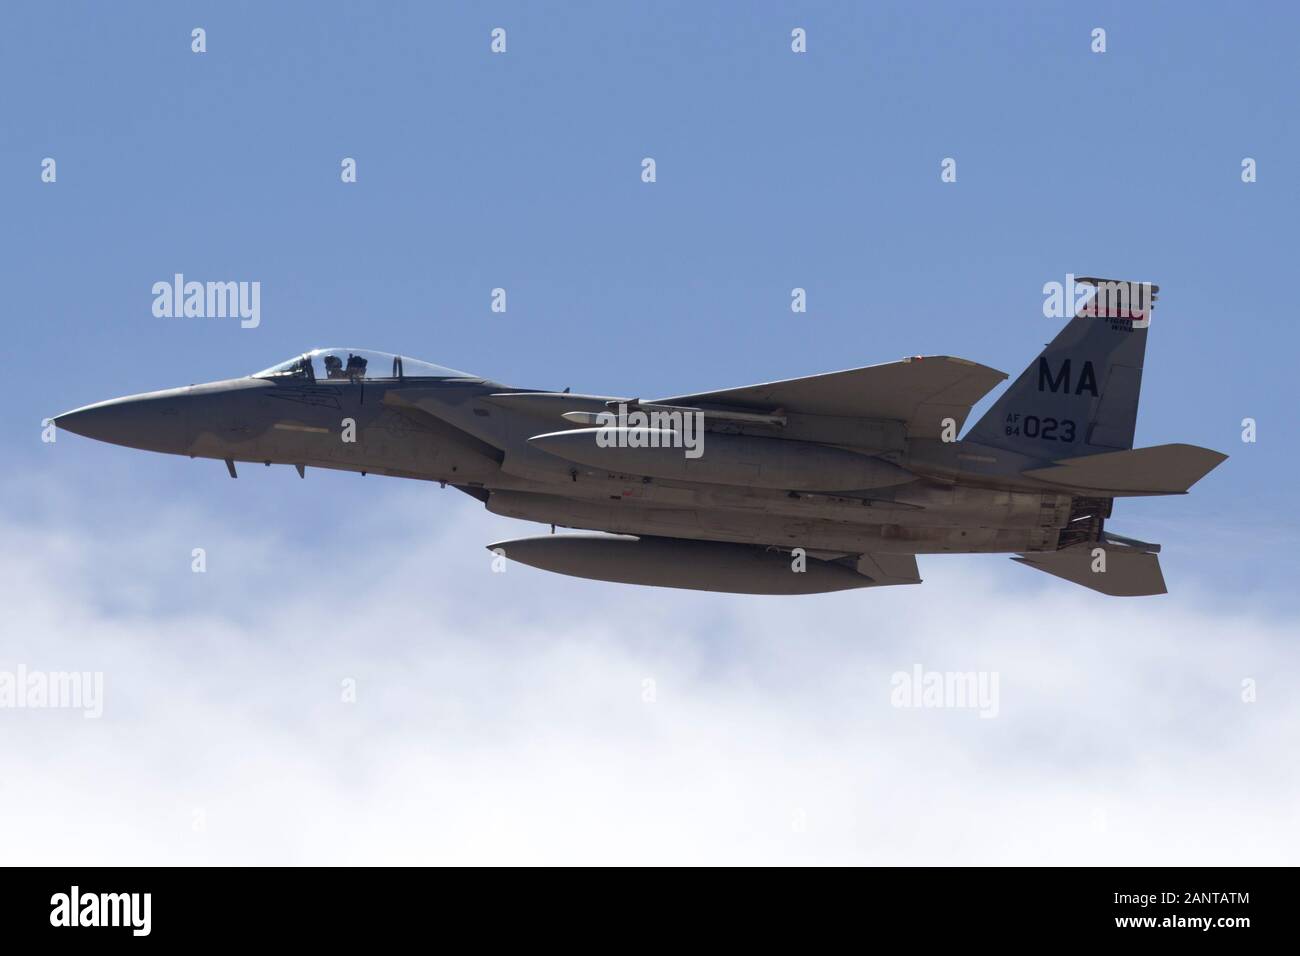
[(1080, 395)]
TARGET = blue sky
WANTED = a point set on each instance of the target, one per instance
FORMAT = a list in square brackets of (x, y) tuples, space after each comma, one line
[(522, 171)]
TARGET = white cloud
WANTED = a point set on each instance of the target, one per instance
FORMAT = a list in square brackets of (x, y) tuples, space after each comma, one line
[(500, 717)]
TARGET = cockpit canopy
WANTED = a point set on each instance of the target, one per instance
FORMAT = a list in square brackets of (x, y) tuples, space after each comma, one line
[(352, 365)]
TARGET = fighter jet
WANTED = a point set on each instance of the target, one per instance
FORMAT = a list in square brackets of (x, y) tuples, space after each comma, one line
[(802, 486)]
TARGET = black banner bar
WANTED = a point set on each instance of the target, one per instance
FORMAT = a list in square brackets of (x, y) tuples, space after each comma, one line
[(335, 905)]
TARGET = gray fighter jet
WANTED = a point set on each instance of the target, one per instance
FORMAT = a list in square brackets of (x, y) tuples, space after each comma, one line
[(801, 486)]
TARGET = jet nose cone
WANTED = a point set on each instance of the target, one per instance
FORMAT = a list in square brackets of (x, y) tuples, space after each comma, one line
[(155, 421), (89, 420)]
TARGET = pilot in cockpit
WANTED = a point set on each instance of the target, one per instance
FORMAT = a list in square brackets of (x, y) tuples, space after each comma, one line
[(356, 366), (334, 367)]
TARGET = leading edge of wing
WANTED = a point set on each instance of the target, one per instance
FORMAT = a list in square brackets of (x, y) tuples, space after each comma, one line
[(922, 391)]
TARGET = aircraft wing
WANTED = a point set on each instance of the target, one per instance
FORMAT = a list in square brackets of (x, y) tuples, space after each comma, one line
[(921, 391), (886, 569)]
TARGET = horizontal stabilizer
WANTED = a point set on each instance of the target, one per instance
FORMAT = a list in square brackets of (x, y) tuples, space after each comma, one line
[(1128, 572), (1159, 470)]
